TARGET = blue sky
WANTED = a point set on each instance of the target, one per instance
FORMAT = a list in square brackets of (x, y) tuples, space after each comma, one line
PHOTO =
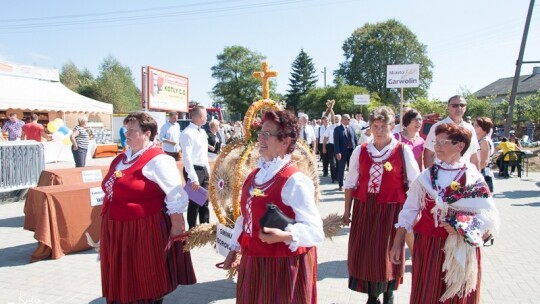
[(471, 43)]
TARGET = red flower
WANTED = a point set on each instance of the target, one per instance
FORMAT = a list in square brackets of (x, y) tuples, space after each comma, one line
[(463, 218)]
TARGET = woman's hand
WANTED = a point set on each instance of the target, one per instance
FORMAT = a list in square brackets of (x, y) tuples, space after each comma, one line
[(274, 235), (178, 226), (396, 251), (346, 219), (230, 260), (195, 186), (448, 228)]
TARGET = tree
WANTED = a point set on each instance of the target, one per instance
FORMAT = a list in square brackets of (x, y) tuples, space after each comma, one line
[(374, 46), (236, 87), (478, 107), (87, 84), (78, 81), (303, 79), (69, 76), (426, 106), (115, 84)]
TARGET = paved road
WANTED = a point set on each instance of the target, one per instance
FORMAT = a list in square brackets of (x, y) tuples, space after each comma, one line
[(511, 268)]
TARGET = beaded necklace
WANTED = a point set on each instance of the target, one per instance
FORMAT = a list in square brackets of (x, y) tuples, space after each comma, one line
[(434, 174)]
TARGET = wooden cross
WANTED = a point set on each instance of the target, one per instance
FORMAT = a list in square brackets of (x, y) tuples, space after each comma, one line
[(265, 76)]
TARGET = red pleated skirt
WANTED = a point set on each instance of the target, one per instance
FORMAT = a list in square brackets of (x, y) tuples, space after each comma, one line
[(370, 241), (135, 267), (278, 280), (427, 275)]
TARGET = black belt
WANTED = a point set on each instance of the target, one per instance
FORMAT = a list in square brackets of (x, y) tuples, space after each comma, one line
[(199, 167)]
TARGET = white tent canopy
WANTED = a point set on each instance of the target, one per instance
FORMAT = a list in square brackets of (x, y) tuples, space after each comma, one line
[(45, 95)]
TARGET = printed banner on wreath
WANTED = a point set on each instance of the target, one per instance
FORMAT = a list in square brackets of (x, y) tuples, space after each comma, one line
[(223, 239)]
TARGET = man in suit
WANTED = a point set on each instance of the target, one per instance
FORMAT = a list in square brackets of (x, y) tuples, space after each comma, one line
[(344, 144)]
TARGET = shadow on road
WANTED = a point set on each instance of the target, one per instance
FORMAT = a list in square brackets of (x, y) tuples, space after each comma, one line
[(13, 222), (535, 204), (517, 194), (332, 269), (16, 255), (205, 292)]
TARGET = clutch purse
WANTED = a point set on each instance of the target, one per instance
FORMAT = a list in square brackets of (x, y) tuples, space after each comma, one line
[(274, 218)]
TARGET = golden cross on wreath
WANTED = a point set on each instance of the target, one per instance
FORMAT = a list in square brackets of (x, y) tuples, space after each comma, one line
[(265, 76)]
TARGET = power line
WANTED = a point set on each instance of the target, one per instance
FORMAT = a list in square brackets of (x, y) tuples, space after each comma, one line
[(140, 15)]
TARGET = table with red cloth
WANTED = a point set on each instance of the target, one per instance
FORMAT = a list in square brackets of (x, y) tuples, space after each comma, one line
[(69, 176), (59, 211), (59, 217)]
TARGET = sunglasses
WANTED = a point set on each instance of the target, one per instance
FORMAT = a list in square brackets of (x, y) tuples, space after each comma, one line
[(267, 134), (458, 105), (442, 142)]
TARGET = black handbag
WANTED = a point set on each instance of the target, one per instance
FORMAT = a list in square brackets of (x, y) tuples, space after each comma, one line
[(274, 218)]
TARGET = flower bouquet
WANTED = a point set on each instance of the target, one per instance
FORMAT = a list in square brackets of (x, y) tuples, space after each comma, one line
[(468, 226)]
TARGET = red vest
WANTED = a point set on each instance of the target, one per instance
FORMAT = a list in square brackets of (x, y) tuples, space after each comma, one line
[(252, 245), (134, 196), (426, 223), (392, 189)]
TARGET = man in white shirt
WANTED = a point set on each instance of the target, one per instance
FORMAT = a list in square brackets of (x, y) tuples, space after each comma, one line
[(457, 105), (169, 135), (328, 146), (307, 133), (194, 143), (320, 142)]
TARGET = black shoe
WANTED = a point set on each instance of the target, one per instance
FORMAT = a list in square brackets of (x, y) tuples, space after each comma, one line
[(388, 297), (325, 174), (489, 240), (373, 300), (340, 189)]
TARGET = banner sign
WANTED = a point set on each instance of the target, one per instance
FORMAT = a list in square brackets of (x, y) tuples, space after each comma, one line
[(223, 239), (361, 99), (402, 76), (96, 196), (89, 176), (166, 91)]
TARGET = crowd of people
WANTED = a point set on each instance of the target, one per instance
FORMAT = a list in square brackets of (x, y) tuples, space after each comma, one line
[(434, 195)]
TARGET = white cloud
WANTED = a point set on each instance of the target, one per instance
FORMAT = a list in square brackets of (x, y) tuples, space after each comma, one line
[(39, 56)]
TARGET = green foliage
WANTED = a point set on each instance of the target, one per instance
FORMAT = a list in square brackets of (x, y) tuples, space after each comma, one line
[(87, 84), (527, 109), (426, 106), (115, 84), (69, 76), (303, 79), (314, 103), (236, 87), (479, 107), (374, 46)]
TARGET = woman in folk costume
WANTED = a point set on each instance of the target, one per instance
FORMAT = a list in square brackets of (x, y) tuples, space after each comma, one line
[(143, 209), (277, 266), (378, 176), (450, 209)]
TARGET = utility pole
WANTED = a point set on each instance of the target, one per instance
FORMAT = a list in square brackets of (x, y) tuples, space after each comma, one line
[(324, 72), (510, 112)]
